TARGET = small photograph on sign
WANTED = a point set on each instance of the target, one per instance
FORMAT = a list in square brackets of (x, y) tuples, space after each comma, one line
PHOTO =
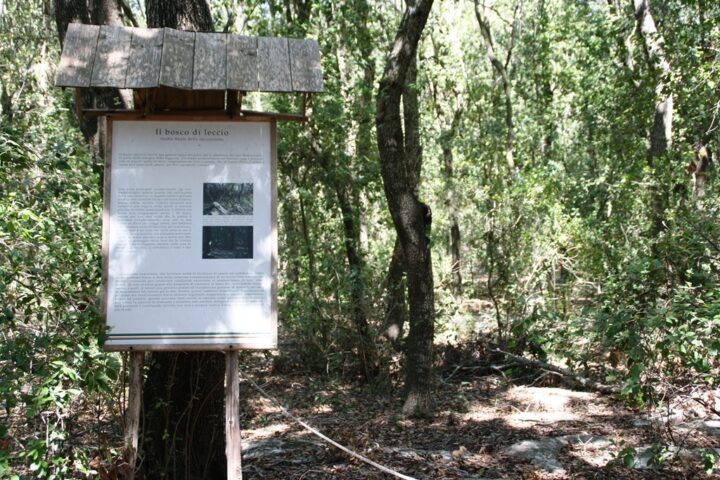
[(227, 199), (227, 242)]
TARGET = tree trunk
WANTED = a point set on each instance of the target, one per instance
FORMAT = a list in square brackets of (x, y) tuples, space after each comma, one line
[(106, 12), (501, 70), (700, 168), (350, 212), (396, 309), (103, 12), (181, 14), (661, 131), (446, 143), (70, 11), (183, 404), (412, 218), (411, 126)]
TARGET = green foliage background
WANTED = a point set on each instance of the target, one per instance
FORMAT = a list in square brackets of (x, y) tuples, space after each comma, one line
[(559, 259)]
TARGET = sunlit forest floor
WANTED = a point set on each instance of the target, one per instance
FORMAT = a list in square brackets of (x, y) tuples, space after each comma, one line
[(480, 417), (487, 426)]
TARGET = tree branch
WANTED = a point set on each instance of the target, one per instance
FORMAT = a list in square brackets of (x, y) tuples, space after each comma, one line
[(575, 378), (127, 11)]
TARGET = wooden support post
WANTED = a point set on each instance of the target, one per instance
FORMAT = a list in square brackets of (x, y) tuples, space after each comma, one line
[(232, 417), (132, 414), (232, 103), (78, 105)]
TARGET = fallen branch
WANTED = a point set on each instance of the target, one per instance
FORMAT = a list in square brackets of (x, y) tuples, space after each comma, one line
[(707, 406), (543, 375), (573, 377)]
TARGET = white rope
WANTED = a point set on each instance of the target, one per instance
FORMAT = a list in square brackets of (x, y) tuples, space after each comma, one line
[(318, 434)]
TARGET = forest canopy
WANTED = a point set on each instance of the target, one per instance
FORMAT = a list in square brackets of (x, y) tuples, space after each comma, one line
[(560, 162)]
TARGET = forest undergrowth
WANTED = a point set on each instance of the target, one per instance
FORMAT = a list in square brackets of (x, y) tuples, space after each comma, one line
[(565, 153)]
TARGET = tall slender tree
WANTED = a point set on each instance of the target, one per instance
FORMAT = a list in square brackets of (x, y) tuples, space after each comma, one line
[(661, 130), (500, 67), (411, 217)]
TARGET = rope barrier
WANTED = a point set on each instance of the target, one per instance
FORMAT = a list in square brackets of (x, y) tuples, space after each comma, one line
[(315, 432)]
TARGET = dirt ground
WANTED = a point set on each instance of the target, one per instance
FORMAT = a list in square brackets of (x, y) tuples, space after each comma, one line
[(478, 418), (486, 427)]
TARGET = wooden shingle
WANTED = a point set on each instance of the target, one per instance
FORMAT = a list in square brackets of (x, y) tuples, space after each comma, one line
[(111, 56), (209, 64), (142, 58), (78, 56), (242, 64), (145, 56), (274, 65), (305, 66), (178, 53)]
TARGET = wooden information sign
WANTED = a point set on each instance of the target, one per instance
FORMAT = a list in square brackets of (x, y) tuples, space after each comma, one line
[(190, 235), (189, 221)]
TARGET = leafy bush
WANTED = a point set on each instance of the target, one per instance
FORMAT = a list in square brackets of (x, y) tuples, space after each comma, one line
[(51, 367), (661, 308)]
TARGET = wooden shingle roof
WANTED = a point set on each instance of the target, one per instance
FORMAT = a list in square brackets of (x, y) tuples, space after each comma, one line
[(138, 58)]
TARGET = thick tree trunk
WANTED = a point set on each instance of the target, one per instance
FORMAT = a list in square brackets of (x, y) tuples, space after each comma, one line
[(411, 217), (183, 405), (103, 12), (181, 14), (106, 12), (70, 11)]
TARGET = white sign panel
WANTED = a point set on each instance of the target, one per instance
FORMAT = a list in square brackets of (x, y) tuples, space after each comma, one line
[(189, 235)]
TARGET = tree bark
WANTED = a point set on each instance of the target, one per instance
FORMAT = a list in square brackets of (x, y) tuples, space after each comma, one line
[(700, 168), (100, 12), (70, 11), (396, 309), (661, 130), (501, 70), (446, 144), (181, 14), (412, 218), (106, 12), (411, 126), (350, 212)]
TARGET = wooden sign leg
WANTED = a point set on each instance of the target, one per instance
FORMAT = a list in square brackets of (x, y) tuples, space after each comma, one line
[(232, 417), (132, 414)]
